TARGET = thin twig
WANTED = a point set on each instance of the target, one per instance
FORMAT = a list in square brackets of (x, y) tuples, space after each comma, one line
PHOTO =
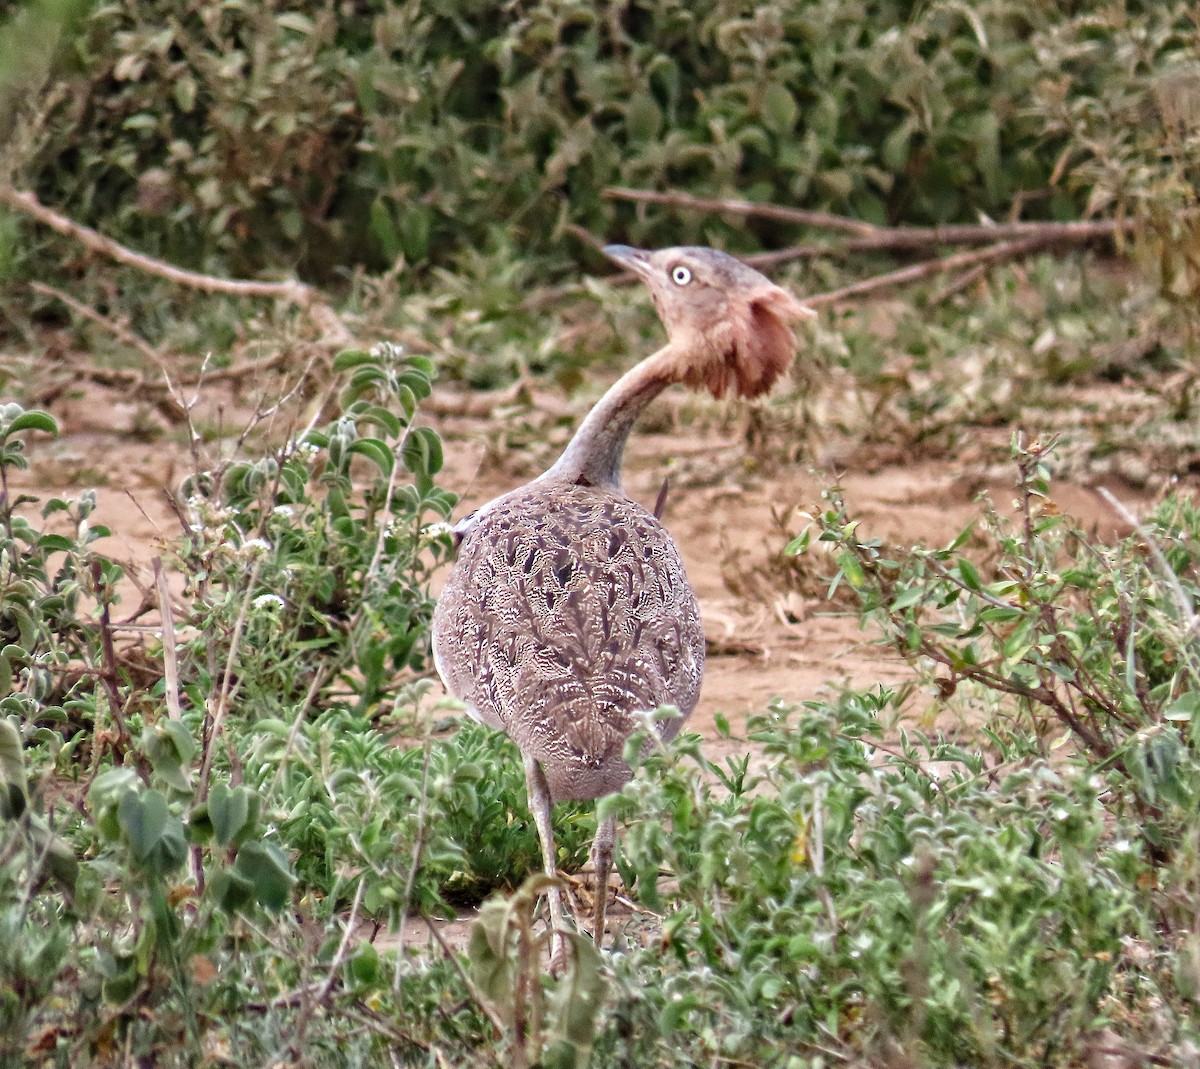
[(732, 206), (418, 853), (295, 292), (109, 654), (340, 953), (225, 695), (869, 236), (472, 990), (1007, 250), (1183, 601), (170, 659), (956, 286), (301, 717), (121, 333)]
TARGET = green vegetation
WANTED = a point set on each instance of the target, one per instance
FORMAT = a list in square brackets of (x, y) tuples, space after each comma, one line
[(249, 136), (216, 833)]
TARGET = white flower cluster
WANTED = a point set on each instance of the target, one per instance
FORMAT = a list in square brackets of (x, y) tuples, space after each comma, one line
[(304, 450), (255, 547), (431, 532)]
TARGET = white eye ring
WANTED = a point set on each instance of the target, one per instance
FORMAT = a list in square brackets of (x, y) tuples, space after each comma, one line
[(680, 275)]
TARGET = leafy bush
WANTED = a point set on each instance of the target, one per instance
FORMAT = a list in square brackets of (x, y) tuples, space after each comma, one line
[(191, 882), (1090, 640), (925, 902), (243, 137), (197, 797)]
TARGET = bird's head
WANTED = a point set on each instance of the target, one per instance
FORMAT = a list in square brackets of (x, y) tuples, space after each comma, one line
[(728, 326)]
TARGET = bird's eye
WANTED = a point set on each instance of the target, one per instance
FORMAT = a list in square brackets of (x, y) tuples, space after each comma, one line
[(680, 275)]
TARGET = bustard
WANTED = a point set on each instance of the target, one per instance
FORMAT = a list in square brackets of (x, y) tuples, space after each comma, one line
[(568, 612)]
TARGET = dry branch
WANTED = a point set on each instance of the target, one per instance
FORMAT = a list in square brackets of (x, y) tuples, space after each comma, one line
[(309, 300), (140, 385), (731, 206), (121, 333), (869, 237), (1007, 250)]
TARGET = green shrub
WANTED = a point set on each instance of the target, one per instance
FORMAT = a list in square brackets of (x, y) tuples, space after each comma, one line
[(925, 902), (1089, 640), (243, 137)]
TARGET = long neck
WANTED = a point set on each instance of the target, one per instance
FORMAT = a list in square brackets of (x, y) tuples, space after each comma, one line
[(594, 453)]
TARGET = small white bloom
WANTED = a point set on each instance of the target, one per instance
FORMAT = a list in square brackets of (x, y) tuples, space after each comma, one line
[(285, 511), (252, 547), (302, 449), (433, 531), (268, 601)]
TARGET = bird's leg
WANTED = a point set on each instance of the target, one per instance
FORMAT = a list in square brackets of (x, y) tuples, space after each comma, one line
[(602, 855), (539, 805)]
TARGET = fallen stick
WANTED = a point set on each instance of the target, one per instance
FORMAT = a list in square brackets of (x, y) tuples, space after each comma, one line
[(732, 206), (1007, 250), (135, 383), (121, 333), (868, 236), (298, 293)]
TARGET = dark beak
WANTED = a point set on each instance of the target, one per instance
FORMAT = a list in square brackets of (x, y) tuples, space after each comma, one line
[(636, 260)]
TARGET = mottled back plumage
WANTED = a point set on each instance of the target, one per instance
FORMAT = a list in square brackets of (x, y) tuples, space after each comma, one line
[(569, 613)]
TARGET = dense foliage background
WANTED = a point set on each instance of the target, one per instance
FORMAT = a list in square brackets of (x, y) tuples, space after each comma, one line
[(208, 827), (262, 136)]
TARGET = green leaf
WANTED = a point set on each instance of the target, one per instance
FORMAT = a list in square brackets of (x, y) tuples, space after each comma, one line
[(348, 359), (417, 381), (35, 420), (376, 451), (364, 966), (265, 867), (55, 543), (58, 857), (643, 117), (906, 599), (184, 92), (799, 545), (228, 811), (382, 417), (294, 20), (231, 890), (851, 568), (1185, 707), (779, 108), (170, 746), (574, 1007), (969, 575), (423, 452), (12, 771), (154, 834)]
